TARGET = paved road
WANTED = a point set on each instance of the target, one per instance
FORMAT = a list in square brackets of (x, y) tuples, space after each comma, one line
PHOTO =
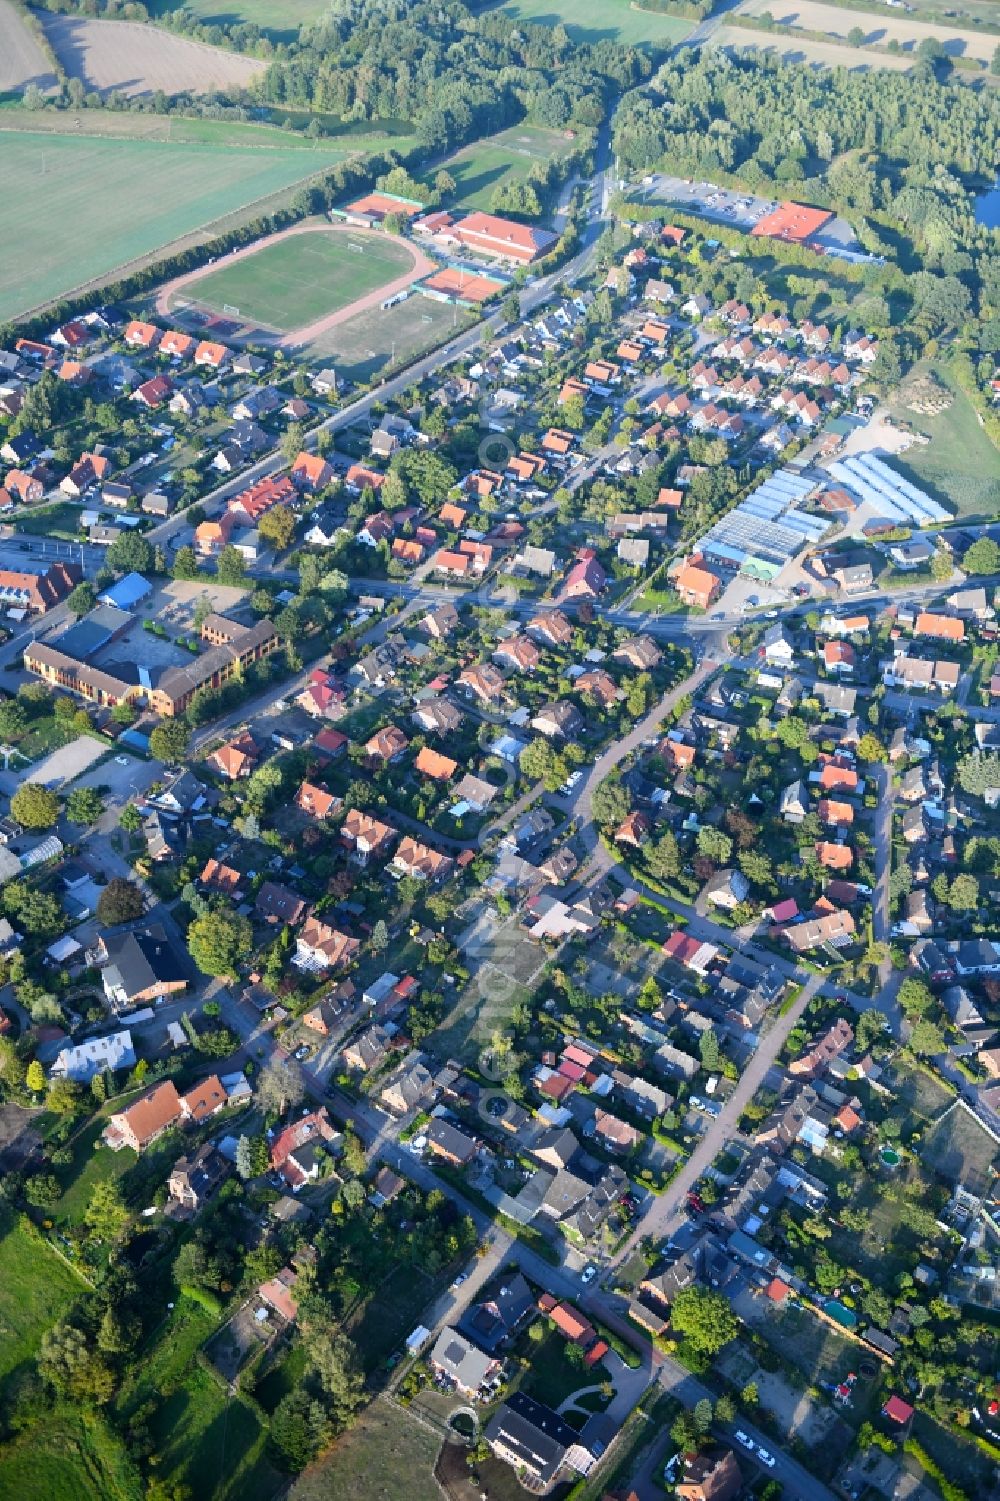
[(666, 1213)]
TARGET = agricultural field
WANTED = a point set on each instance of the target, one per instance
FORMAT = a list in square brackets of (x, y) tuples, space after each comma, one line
[(604, 20), (76, 1455), (298, 279), (813, 15), (386, 1453), (795, 48), (367, 343), (138, 59), (481, 168), (127, 200), (36, 1289), (22, 60), (959, 465), (959, 1148), (293, 14)]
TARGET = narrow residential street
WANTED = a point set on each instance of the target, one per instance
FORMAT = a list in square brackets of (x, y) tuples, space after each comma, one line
[(666, 1213)]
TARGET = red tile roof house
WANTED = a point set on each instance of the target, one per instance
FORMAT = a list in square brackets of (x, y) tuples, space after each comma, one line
[(223, 878), (585, 580), (142, 1122), (320, 947), (177, 345), (279, 1293), (366, 836), (24, 486), (422, 862), (386, 745), (455, 564), (316, 801), (633, 830), (212, 355), (485, 682), (280, 904), (311, 472), (305, 1132), (696, 585), (614, 1134), (153, 393), (142, 335), (237, 758)]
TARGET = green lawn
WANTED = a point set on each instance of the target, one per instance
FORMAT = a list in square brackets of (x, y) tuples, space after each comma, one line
[(36, 1288), (959, 466), (125, 199), (554, 1376), (292, 14), (296, 281), (212, 1443), (480, 169), (603, 20), (59, 520), (386, 1453), (364, 346), (74, 1455)]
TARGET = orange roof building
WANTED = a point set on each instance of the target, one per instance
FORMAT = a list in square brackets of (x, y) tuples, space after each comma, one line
[(491, 235), (834, 856), (796, 222), (696, 585), (430, 763), (942, 627)]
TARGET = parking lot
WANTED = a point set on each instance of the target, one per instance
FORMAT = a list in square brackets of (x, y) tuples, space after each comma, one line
[(740, 210), (68, 762)]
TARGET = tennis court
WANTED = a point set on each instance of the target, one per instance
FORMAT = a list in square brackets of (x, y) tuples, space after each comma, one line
[(300, 279)]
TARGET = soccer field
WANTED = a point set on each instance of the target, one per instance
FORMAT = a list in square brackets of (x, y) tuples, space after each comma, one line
[(302, 278), (77, 209)]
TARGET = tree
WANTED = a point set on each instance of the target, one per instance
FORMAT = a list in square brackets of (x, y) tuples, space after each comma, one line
[(106, 1215), (982, 556), (84, 805), (299, 1429), (926, 1038), (333, 1359), (82, 599), (664, 857), (130, 819), (278, 526), (610, 803), (230, 567), (978, 773), (941, 565), (186, 564), (684, 1432), (193, 1267), (703, 1415), (380, 936), (43, 1190), (63, 1097), (870, 748), (218, 941), (120, 901), (714, 844), (915, 999), (280, 1087), (704, 1318), (68, 1364), (35, 1077), (169, 741), (34, 806), (130, 553), (13, 720), (711, 1053), (868, 1030), (511, 307), (252, 1156), (963, 894)]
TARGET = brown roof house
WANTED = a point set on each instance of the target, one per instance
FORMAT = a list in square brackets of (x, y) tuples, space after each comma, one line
[(144, 1120)]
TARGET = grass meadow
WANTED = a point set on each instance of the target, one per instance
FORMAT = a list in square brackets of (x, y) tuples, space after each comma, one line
[(603, 20), (125, 199)]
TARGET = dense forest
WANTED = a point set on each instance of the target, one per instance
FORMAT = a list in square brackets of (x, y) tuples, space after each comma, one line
[(900, 154), (453, 74)]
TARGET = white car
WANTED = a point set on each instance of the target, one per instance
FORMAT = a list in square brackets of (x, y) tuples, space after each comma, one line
[(588, 1274), (462, 1277), (765, 1456), (743, 1438), (122, 761)]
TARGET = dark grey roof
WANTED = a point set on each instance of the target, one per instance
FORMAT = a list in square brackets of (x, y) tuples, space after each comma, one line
[(143, 959), (533, 1432)]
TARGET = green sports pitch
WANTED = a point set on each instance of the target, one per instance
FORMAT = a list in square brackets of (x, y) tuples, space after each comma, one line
[(298, 280), (77, 208)]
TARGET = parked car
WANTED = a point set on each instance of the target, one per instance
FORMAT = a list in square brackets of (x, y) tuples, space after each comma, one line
[(743, 1438), (588, 1274), (765, 1456)]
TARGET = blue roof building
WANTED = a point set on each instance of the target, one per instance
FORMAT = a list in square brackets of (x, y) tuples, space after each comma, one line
[(128, 592)]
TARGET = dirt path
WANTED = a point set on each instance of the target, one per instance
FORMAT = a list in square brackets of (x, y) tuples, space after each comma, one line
[(422, 266)]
